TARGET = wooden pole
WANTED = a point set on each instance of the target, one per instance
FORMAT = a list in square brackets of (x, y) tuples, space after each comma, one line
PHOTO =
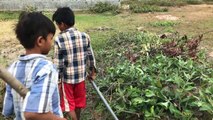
[(13, 82)]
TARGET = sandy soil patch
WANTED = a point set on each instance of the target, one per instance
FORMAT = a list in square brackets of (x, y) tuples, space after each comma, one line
[(193, 12), (166, 17), (211, 54)]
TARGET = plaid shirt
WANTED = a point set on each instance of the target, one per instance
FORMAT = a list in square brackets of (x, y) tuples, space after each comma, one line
[(73, 52), (41, 78)]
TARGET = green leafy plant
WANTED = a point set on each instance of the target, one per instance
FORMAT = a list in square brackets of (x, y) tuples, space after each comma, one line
[(164, 23), (141, 82), (194, 1), (102, 7), (146, 8), (164, 2)]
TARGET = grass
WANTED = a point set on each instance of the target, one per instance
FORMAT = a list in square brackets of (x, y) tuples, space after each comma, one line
[(164, 23), (3, 61), (8, 15)]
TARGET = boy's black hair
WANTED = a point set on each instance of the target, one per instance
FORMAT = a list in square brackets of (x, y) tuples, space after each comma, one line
[(32, 25), (65, 15)]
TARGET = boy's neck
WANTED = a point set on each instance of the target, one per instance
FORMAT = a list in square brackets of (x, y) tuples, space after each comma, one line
[(68, 27), (32, 51)]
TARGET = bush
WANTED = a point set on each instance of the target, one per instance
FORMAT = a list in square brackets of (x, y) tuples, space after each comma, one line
[(102, 7), (164, 23), (146, 8), (164, 2), (156, 2), (194, 1)]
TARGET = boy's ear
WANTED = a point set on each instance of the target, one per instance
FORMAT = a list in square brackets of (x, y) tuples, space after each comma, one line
[(39, 41)]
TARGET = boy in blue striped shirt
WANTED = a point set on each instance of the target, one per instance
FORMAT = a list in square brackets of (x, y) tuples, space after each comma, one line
[(35, 32)]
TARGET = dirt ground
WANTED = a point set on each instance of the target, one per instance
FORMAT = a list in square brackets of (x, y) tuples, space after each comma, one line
[(193, 18), (189, 16)]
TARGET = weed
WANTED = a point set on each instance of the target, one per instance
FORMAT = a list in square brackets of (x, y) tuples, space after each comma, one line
[(164, 23), (146, 8), (166, 2), (194, 1), (102, 7)]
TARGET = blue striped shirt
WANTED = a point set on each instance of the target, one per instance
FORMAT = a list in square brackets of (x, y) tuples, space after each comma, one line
[(41, 78), (73, 52)]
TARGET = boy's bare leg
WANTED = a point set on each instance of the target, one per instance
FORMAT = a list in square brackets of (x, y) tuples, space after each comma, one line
[(75, 114), (67, 116), (78, 112), (72, 114)]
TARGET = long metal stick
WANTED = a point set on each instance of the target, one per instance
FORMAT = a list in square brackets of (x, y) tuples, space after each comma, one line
[(103, 99)]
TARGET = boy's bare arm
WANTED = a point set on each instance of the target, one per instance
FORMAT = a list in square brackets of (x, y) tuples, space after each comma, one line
[(41, 116)]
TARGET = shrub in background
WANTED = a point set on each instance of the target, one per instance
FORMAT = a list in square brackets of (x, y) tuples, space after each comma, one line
[(102, 7), (164, 23), (146, 8), (194, 1)]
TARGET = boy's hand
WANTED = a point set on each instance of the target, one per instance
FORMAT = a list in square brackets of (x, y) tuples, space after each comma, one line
[(92, 75)]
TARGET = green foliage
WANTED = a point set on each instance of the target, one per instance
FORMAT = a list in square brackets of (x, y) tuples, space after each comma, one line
[(165, 2), (30, 8), (194, 1), (208, 1), (146, 8), (9, 15), (164, 24), (102, 7), (156, 2), (141, 82), (142, 7)]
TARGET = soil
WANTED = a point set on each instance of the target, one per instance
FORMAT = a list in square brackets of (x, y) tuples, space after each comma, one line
[(10, 47)]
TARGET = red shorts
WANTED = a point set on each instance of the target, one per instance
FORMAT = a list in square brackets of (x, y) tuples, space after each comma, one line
[(72, 96)]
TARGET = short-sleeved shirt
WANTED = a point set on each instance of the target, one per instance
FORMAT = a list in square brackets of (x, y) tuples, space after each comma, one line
[(40, 76), (73, 52)]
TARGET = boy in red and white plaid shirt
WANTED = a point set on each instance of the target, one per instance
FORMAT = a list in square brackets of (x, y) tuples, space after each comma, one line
[(73, 52)]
